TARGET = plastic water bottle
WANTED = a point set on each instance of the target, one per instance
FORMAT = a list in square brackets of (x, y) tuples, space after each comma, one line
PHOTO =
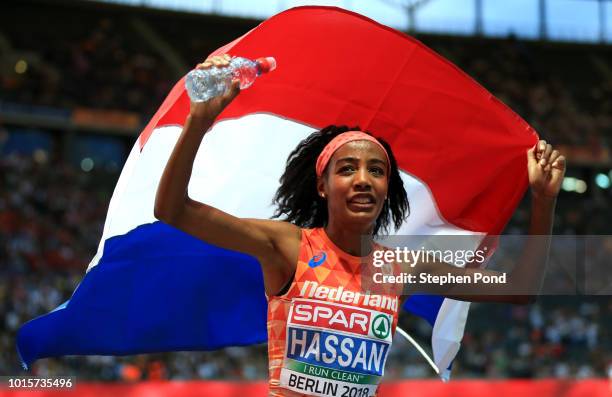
[(203, 84)]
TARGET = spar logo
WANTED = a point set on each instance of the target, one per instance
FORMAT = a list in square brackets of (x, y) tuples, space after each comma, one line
[(317, 259), (337, 317), (381, 326), (326, 315)]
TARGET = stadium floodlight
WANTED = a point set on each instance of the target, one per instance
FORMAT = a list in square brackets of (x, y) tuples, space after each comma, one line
[(87, 164), (602, 180), (581, 186), (569, 184), (21, 66)]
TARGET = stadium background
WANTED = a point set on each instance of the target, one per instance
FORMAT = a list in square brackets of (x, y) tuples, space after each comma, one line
[(79, 79)]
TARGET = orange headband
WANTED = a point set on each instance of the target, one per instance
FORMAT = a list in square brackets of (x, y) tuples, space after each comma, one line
[(340, 140)]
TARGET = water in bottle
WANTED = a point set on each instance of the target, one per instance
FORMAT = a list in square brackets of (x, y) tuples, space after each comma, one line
[(203, 84)]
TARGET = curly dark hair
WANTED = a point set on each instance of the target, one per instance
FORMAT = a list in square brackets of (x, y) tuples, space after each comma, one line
[(297, 197)]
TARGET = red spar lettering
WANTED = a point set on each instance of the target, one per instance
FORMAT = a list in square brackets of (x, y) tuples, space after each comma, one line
[(330, 316)]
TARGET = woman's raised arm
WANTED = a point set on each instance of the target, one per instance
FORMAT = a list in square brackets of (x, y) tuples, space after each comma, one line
[(275, 244), (546, 168)]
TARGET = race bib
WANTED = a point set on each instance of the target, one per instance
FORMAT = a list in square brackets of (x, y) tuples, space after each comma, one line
[(334, 349)]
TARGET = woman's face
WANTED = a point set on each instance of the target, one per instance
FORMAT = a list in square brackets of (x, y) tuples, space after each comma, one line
[(356, 183)]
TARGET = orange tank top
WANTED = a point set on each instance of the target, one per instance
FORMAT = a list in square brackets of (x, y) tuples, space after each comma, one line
[(326, 335)]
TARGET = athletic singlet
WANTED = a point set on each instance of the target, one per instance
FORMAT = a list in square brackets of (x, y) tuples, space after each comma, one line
[(326, 336)]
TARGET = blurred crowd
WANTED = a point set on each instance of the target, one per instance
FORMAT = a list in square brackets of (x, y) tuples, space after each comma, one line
[(49, 231), (564, 91), (52, 213), (101, 68), (558, 337)]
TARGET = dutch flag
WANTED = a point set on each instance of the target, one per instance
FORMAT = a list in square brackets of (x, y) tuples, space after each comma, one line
[(153, 288)]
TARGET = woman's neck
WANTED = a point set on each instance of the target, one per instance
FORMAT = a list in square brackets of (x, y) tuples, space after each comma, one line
[(356, 242)]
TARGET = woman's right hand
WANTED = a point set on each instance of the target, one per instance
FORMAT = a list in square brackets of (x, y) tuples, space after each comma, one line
[(209, 110)]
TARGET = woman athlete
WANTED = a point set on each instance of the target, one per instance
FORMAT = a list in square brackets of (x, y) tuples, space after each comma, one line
[(326, 336)]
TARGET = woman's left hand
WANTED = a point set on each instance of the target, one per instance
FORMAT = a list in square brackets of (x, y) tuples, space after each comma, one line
[(546, 168)]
